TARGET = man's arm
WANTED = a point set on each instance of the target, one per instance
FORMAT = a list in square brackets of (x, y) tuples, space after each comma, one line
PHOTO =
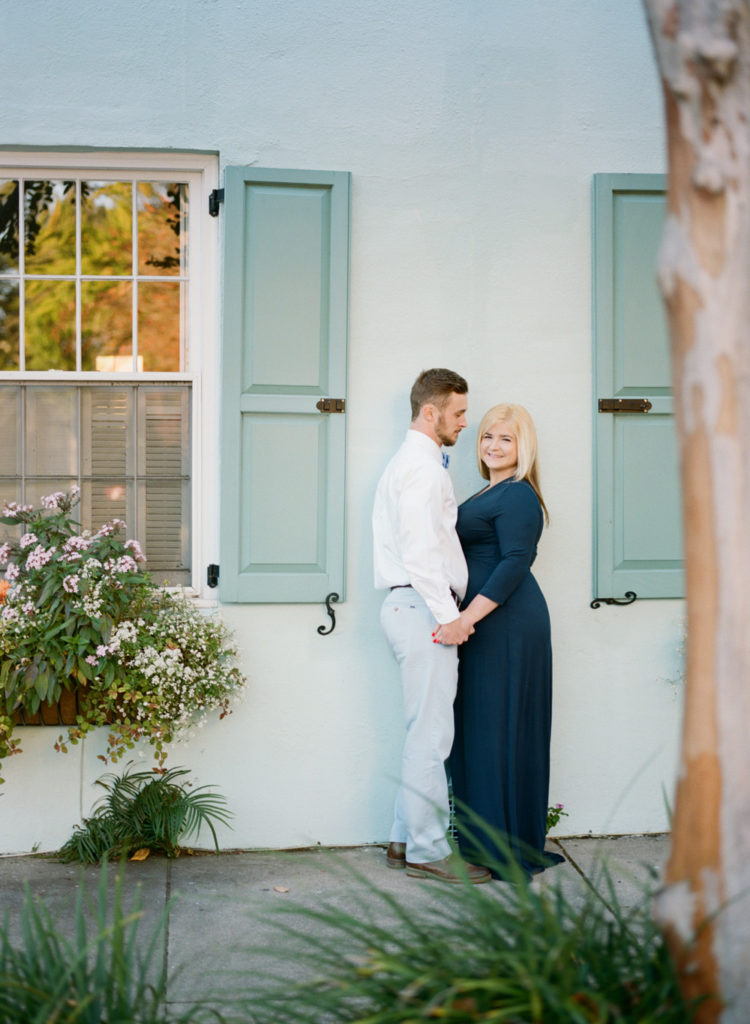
[(420, 510)]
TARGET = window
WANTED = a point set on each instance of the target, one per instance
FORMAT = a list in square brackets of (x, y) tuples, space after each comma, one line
[(103, 300)]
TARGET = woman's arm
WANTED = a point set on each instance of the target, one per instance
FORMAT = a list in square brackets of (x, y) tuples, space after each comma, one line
[(474, 611)]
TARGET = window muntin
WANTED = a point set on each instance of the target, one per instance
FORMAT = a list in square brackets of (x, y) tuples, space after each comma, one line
[(93, 274)]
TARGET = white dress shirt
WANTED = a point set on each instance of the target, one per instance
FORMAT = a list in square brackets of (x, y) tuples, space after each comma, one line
[(414, 527)]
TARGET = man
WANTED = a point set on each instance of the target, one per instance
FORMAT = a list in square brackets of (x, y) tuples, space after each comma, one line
[(418, 560)]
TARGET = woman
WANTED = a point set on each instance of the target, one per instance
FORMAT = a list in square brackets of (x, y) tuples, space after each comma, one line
[(500, 758)]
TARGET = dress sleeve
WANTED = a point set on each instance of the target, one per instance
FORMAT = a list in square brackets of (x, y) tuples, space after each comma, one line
[(517, 523)]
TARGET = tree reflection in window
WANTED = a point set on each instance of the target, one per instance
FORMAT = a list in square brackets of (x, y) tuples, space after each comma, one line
[(90, 289)]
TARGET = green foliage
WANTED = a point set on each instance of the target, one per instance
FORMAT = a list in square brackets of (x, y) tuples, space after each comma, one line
[(554, 813), (496, 953), (105, 974), (79, 612), (142, 810)]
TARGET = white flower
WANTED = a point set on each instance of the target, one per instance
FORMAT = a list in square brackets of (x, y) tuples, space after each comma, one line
[(28, 539), (12, 572)]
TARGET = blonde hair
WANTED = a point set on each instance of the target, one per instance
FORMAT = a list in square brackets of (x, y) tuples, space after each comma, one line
[(525, 433)]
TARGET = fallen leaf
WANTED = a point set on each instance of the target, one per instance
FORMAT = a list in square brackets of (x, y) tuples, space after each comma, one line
[(141, 854), (280, 888)]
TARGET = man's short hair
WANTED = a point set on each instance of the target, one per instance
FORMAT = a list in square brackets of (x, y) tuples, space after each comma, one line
[(435, 387)]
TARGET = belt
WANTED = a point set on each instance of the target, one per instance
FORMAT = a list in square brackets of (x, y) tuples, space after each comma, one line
[(401, 586)]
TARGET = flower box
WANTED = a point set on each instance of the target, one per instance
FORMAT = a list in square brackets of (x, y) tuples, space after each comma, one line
[(61, 712)]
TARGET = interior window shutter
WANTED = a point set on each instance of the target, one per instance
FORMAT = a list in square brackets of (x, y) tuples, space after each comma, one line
[(106, 459), (637, 515), (163, 499), (284, 355)]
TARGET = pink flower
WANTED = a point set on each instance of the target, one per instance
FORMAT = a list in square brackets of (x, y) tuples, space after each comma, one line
[(12, 508), (39, 557), (135, 547), (4, 552), (53, 500), (70, 584), (12, 572), (92, 659)]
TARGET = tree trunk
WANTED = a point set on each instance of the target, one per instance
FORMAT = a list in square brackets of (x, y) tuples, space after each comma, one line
[(703, 53)]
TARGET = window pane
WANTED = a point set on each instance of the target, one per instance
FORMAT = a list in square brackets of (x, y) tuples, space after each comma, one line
[(50, 325), (9, 197), (106, 227), (9, 324), (50, 227), (107, 437), (106, 325), (51, 431), (10, 421), (162, 228), (159, 316), (34, 490), (102, 500), (166, 534)]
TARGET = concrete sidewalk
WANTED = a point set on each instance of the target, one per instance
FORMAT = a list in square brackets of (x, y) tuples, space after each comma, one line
[(217, 907)]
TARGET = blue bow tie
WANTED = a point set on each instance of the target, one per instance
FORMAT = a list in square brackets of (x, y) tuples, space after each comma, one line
[(446, 459)]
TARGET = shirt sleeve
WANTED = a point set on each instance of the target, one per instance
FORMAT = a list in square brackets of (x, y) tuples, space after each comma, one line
[(517, 529), (420, 516)]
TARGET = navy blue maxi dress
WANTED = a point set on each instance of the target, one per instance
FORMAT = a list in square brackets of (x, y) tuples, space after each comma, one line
[(500, 759)]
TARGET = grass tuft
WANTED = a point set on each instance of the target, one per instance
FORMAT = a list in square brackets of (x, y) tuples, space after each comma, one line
[(105, 974), (501, 953)]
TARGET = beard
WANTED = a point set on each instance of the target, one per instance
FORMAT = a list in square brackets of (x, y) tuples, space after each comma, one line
[(446, 439)]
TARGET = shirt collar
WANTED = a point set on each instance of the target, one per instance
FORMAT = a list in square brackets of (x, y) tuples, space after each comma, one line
[(416, 437)]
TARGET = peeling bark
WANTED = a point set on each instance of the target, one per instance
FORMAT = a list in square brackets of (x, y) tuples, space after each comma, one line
[(703, 53)]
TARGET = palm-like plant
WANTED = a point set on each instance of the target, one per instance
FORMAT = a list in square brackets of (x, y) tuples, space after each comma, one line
[(143, 810)]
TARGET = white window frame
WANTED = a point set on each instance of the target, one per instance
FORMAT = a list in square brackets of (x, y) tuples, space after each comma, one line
[(201, 171)]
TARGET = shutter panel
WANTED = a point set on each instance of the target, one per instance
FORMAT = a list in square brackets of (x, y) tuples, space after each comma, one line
[(106, 462), (637, 516), (164, 481), (284, 348)]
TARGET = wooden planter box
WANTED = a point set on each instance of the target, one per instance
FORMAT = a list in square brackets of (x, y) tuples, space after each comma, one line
[(61, 712)]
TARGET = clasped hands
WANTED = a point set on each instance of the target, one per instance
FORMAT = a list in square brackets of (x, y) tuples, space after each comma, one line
[(453, 633)]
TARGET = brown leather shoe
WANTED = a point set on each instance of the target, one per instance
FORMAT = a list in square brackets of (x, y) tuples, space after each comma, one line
[(395, 856), (449, 869)]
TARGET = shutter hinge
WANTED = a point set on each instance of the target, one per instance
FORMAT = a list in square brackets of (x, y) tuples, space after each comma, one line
[(212, 575), (215, 200), (331, 405)]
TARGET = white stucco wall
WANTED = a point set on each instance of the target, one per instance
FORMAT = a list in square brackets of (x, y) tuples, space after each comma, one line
[(472, 130)]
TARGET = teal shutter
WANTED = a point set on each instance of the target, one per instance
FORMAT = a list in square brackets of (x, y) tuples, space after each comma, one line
[(284, 349), (637, 514)]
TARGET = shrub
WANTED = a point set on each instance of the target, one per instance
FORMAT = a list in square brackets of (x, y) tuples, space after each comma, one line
[(79, 612), (145, 811)]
